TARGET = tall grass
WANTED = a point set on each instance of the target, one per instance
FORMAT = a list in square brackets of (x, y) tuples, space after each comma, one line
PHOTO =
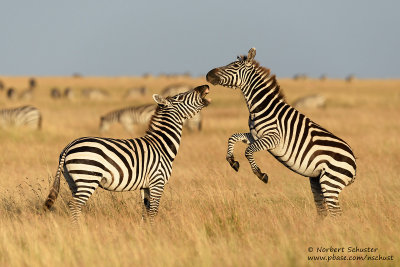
[(209, 214)]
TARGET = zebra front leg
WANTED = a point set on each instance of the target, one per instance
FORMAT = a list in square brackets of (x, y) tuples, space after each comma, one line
[(264, 143), (156, 189), (245, 138)]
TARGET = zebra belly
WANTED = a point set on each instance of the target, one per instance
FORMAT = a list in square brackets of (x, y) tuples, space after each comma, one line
[(296, 166)]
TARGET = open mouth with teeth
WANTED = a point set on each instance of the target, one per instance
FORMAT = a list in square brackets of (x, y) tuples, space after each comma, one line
[(204, 90)]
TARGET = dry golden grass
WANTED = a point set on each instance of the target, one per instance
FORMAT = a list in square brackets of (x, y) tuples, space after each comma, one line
[(209, 215)]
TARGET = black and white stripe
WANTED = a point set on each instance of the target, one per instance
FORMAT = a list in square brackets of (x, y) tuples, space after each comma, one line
[(128, 117), (21, 116), (300, 144), (143, 163), (194, 123)]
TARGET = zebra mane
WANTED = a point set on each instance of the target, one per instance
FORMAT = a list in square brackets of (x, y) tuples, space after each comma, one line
[(155, 114), (265, 71)]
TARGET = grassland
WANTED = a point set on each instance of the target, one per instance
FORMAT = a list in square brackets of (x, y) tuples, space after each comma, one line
[(209, 215)]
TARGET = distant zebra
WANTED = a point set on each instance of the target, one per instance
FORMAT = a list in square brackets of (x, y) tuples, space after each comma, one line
[(94, 94), (133, 93), (350, 78), (22, 116), (55, 93), (69, 94), (128, 117), (27, 94), (11, 93), (310, 101), (143, 163), (194, 123), (297, 142)]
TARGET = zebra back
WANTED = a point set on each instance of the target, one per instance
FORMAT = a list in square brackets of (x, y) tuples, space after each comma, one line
[(21, 116), (128, 116)]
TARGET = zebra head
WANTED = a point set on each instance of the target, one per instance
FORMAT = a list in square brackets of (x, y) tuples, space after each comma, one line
[(233, 75), (184, 105)]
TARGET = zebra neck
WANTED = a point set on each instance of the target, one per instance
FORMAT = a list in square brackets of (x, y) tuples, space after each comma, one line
[(166, 129), (261, 90)]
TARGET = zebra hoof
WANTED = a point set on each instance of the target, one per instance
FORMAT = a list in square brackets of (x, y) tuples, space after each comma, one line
[(235, 165), (264, 178)]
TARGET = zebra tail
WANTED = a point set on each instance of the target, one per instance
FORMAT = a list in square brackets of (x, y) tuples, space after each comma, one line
[(56, 184)]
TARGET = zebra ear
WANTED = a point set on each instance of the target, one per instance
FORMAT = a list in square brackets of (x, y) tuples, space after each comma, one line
[(252, 54), (160, 100)]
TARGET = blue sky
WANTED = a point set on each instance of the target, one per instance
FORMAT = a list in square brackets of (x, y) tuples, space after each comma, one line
[(118, 38)]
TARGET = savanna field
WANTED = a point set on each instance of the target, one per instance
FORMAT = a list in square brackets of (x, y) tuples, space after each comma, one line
[(209, 214)]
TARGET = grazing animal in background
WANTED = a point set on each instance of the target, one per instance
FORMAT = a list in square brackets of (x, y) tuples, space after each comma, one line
[(69, 94), (22, 116), (1, 86), (135, 92), (32, 83), (350, 78), (297, 142), (143, 163), (28, 93), (194, 123), (94, 94), (128, 117), (310, 101), (55, 93), (300, 77), (11, 93)]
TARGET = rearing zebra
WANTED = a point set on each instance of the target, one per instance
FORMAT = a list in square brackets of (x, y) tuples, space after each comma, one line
[(297, 142), (143, 163)]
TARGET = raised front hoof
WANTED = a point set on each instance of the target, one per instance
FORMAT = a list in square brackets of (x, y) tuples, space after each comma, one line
[(235, 165), (264, 178)]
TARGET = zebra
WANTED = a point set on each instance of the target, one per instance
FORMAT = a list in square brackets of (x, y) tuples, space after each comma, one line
[(55, 93), (143, 163), (21, 116), (27, 94), (194, 123), (11, 93), (310, 101), (95, 94), (135, 92), (69, 94), (297, 142), (128, 117)]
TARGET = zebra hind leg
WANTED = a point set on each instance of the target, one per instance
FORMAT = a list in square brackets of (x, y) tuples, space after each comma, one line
[(145, 193), (318, 197), (331, 186), (79, 198)]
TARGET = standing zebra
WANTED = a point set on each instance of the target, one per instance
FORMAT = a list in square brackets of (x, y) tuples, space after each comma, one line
[(21, 116), (297, 142), (143, 163), (128, 117)]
